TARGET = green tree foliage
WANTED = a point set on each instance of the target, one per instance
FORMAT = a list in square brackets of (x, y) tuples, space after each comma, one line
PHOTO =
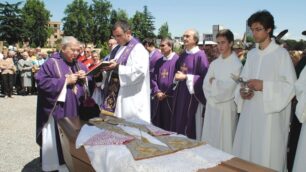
[(163, 31), (11, 23), (77, 21), (100, 11), (149, 23), (295, 45), (120, 14), (36, 18), (250, 39), (143, 24), (137, 22), (104, 50)]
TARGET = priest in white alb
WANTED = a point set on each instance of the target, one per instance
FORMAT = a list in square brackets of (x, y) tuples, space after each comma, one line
[(263, 126), (221, 117), (128, 94), (300, 111)]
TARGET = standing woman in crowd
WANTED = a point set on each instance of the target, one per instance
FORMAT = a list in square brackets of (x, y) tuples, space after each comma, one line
[(8, 70), (25, 67), (221, 114)]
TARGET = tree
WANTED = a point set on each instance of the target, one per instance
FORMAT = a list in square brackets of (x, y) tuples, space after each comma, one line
[(77, 21), (295, 45), (100, 12), (143, 24), (11, 23), (137, 25), (149, 23), (118, 15), (36, 18), (163, 31)]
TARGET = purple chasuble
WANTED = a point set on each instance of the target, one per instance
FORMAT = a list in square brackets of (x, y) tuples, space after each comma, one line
[(153, 59), (50, 81), (185, 104), (162, 81)]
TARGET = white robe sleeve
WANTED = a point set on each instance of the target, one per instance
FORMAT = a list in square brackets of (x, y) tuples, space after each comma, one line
[(245, 75), (62, 96), (223, 90), (190, 84), (300, 88), (135, 72), (278, 94)]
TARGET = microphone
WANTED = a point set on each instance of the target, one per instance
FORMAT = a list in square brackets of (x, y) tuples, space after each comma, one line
[(75, 62)]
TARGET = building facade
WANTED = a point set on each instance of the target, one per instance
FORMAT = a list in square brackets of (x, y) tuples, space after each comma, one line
[(56, 34)]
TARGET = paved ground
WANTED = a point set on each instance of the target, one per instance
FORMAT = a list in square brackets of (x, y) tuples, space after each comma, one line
[(18, 150)]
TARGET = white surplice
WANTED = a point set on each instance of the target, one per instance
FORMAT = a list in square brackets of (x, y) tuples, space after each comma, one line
[(300, 157), (220, 119), (263, 126), (134, 94)]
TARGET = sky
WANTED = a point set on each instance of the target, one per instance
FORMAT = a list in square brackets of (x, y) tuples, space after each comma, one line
[(202, 14)]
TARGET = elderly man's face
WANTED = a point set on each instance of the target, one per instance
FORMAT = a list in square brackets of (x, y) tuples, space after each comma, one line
[(71, 51), (188, 39), (111, 43)]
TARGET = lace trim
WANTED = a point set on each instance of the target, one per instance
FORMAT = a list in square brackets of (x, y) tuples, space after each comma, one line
[(183, 161)]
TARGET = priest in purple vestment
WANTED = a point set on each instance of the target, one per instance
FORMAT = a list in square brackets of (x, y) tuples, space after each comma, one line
[(154, 53), (191, 68), (60, 85), (162, 85)]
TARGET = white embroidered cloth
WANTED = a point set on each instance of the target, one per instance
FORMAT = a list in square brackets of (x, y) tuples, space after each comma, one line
[(104, 158), (108, 138), (138, 133), (158, 131), (92, 136)]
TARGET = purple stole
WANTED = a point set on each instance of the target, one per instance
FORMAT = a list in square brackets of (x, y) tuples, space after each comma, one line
[(110, 100)]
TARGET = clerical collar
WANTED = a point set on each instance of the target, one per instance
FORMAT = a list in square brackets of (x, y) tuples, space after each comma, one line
[(193, 50), (126, 44), (169, 57)]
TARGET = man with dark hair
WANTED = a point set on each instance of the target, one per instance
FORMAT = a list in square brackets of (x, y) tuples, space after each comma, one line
[(162, 82), (154, 53), (263, 127), (130, 83)]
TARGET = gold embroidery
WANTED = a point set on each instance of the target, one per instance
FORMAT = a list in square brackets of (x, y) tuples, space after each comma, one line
[(164, 73)]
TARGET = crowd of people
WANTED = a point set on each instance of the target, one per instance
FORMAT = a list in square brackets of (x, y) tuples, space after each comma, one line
[(17, 70), (238, 102)]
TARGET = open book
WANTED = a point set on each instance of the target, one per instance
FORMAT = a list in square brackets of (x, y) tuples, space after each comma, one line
[(97, 68)]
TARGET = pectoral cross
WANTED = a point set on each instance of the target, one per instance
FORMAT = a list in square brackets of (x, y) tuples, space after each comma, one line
[(164, 73), (184, 68)]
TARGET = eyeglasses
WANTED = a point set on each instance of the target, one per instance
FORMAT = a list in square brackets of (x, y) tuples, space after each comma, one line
[(257, 29)]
